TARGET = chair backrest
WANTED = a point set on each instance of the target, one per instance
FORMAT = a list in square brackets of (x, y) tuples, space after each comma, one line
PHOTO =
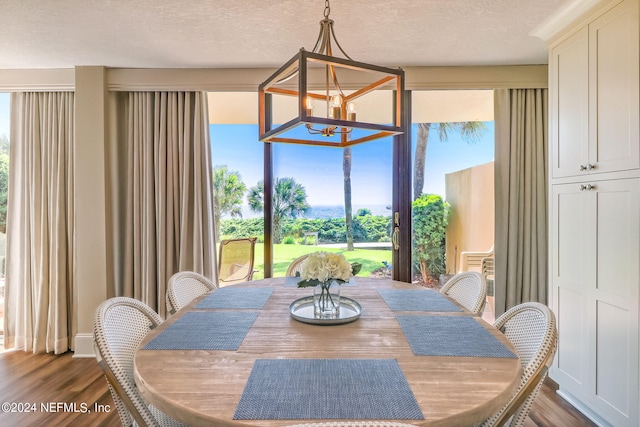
[(469, 289), (296, 265), (487, 267), (488, 271), (120, 325), (235, 260), (472, 260), (531, 328), (184, 287)]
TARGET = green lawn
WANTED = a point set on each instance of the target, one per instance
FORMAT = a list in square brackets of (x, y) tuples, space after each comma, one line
[(371, 259)]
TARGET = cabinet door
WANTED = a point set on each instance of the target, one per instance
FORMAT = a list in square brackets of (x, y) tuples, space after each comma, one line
[(613, 89), (569, 129), (572, 241), (614, 306)]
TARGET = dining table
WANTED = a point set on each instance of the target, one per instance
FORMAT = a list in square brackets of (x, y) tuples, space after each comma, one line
[(242, 356)]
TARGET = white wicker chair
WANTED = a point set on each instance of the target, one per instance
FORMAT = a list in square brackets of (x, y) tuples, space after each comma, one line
[(296, 265), (120, 325), (469, 289), (355, 424), (184, 287), (531, 328)]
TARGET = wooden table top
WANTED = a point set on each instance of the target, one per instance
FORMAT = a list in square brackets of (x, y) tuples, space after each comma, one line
[(203, 387)]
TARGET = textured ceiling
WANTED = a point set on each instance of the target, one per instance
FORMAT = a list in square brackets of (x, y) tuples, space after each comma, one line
[(266, 33)]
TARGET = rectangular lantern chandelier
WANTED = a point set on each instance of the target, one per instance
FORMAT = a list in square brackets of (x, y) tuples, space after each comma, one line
[(328, 93)]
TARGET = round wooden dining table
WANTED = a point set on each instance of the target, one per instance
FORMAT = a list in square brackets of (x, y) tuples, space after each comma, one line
[(204, 387)]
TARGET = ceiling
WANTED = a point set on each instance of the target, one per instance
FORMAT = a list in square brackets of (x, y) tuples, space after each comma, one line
[(266, 33)]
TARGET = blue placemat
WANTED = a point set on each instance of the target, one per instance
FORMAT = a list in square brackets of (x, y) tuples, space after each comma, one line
[(451, 336), (293, 282), (416, 300), (205, 330), (284, 389), (230, 297)]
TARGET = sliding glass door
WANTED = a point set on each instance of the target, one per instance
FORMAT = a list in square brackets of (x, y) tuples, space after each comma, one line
[(351, 200), (333, 199)]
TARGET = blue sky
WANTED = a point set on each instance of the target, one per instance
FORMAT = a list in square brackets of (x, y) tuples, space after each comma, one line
[(4, 113), (319, 169)]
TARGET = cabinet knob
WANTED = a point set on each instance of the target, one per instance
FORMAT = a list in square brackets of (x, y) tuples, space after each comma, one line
[(587, 187), (583, 168), (590, 167)]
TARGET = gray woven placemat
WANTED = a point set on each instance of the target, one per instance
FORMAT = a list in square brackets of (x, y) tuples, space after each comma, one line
[(205, 330), (416, 300), (230, 297), (290, 281), (451, 336), (285, 389)]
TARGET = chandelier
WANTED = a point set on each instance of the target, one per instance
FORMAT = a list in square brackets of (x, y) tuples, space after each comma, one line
[(328, 92)]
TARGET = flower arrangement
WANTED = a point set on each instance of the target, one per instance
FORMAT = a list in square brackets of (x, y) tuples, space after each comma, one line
[(325, 267), (321, 270)]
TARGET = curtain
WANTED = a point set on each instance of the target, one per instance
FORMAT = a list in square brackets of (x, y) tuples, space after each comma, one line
[(40, 223), (521, 129), (162, 192)]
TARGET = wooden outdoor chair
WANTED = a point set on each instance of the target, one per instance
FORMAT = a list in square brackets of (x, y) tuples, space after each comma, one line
[(235, 261)]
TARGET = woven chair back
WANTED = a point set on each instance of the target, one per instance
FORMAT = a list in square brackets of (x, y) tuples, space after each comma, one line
[(469, 289), (185, 286)]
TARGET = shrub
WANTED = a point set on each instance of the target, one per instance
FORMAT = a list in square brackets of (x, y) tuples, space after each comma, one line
[(430, 214), (238, 228), (374, 228), (367, 228), (289, 240)]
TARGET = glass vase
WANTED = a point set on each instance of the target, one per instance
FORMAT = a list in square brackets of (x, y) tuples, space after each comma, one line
[(326, 300)]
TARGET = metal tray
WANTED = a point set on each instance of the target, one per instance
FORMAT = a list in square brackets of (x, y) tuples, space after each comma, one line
[(302, 310)]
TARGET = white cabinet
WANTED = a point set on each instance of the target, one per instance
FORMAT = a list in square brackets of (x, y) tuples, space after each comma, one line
[(595, 275), (594, 89), (594, 212), (569, 127)]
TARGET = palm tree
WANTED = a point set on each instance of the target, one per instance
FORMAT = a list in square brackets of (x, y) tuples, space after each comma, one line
[(470, 132), (289, 201), (228, 190), (346, 169)]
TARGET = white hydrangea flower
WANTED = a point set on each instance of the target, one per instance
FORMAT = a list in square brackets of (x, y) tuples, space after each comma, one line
[(324, 266)]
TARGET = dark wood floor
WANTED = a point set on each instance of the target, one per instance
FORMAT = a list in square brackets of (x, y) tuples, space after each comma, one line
[(53, 381)]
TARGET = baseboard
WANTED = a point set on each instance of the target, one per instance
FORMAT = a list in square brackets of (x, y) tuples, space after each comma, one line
[(576, 403), (83, 346)]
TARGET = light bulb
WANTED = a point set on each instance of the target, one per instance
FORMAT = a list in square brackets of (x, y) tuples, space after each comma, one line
[(309, 103), (351, 111), (336, 112)]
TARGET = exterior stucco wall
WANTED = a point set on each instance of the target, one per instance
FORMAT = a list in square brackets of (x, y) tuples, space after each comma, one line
[(471, 221)]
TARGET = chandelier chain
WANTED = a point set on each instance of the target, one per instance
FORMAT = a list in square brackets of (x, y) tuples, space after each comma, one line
[(327, 9)]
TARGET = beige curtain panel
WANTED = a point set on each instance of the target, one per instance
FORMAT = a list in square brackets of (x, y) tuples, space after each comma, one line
[(521, 132), (40, 223), (161, 195)]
